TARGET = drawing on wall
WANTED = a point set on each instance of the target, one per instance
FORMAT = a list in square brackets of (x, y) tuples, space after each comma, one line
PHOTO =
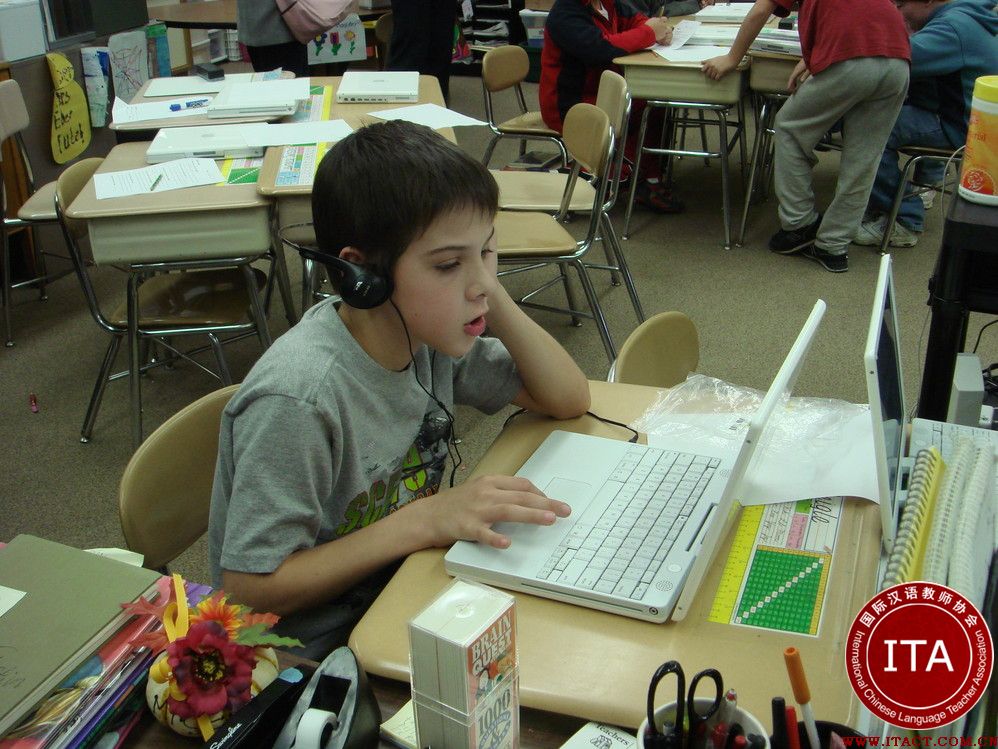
[(129, 62), (345, 41), (70, 120), (159, 51), (97, 81)]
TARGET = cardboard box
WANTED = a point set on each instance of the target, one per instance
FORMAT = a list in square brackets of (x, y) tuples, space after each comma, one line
[(494, 724)]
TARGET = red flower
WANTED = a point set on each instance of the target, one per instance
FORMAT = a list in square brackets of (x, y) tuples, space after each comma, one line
[(212, 671)]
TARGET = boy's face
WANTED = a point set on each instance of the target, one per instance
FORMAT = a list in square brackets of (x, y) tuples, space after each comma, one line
[(443, 281)]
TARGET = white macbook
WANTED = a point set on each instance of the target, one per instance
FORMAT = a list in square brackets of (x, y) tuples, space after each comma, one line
[(267, 99), (885, 390), (646, 521), (373, 86), (208, 141), (784, 41)]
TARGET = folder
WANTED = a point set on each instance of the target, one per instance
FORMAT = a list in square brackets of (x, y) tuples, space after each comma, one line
[(71, 606)]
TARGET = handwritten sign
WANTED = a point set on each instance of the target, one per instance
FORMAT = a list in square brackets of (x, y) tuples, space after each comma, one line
[(70, 115), (343, 42)]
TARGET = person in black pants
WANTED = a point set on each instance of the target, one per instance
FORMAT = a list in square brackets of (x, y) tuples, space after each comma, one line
[(268, 39), (423, 38)]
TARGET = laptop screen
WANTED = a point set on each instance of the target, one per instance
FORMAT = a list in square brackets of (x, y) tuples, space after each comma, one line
[(886, 393)]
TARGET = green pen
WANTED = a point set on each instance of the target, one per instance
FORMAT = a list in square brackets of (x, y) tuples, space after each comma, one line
[(155, 182)]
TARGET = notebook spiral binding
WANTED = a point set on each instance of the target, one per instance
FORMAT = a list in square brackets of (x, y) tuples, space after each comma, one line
[(904, 561)]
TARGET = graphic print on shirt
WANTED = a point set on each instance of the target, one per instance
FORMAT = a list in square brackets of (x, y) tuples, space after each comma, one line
[(419, 475)]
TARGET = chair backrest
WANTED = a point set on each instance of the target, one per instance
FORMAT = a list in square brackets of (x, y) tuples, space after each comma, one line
[(383, 29), (503, 67), (588, 135), (165, 491), (660, 352), (13, 113), (613, 98)]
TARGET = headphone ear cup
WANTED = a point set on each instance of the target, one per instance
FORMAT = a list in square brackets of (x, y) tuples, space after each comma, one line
[(360, 287)]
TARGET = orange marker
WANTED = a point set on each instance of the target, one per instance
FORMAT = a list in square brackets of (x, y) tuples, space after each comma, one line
[(798, 682)]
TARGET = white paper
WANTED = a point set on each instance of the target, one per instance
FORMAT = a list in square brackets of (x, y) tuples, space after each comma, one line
[(172, 175), (9, 598), (601, 736), (320, 131), (192, 84), (681, 34), (431, 115), (690, 53), (842, 464), (122, 112), (119, 555)]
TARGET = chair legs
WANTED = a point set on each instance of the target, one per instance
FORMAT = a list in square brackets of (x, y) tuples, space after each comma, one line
[(489, 149), (99, 387), (621, 263), (5, 269), (597, 310), (223, 365), (899, 195)]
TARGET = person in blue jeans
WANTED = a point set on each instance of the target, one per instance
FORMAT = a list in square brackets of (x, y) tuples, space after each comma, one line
[(953, 44)]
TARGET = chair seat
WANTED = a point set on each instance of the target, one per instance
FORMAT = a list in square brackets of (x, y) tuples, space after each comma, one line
[(531, 235), (541, 191), (529, 122), (214, 297), (40, 206)]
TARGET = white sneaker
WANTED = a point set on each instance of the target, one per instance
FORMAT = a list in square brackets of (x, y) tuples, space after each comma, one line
[(902, 236), (928, 198), (871, 233)]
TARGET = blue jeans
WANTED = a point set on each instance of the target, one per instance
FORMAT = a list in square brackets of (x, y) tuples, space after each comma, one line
[(914, 127)]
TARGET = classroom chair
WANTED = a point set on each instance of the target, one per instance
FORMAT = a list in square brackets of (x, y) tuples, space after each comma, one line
[(916, 155), (208, 298), (383, 29), (535, 240), (38, 209), (165, 492), (660, 352), (507, 67)]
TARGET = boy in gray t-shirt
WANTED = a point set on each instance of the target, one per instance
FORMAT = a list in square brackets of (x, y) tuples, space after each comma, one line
[(345, 422)]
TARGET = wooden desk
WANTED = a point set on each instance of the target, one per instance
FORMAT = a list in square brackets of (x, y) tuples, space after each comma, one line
[(212, 222), (209, 14), (595, 665)]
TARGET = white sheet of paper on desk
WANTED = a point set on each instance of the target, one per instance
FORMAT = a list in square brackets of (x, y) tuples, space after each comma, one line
[(431, 115), (172, 175), (192, 84), (691, 53), (681, 34), (840, 463), (122, 111), (9, 598), (296, 133)]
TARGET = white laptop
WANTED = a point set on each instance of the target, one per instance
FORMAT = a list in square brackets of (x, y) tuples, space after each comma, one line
[(884, 384), (646, 521), (784, 41), (372, 86), (208, 141), (268, 99)]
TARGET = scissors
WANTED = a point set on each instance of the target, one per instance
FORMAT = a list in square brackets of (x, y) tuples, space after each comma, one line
[(686, 711)]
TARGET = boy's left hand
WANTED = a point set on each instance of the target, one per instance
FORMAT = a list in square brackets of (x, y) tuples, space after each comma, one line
[(705, 3), (718, 67), (800, 74)]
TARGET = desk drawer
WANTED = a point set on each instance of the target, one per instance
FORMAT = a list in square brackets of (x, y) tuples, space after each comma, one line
[(768, 76), (681, 84), (197, 235)]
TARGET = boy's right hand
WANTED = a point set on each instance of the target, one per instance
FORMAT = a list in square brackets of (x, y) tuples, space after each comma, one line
[(467, 512), (718, 67), (662, 28)]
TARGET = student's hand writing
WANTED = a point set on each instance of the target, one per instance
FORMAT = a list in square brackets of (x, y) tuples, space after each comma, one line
[(800, 74), (468, 511), (662, 28), (705, 3), (718, 67)]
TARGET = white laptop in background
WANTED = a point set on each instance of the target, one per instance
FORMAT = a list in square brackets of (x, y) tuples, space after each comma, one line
[(373, 86), (885, 389), (274, 99), (646, 522), (208, 141)]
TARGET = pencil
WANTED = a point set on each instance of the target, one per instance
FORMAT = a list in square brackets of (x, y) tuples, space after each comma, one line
[(793, 736), (798, 682)]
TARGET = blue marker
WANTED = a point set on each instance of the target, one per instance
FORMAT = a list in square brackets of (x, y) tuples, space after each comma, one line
[(189, 104)]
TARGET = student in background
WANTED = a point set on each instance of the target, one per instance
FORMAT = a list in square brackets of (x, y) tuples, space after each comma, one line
[(953, 44), (331, 453), (268, 39), (854, 68), (423, 38), (581, 40)]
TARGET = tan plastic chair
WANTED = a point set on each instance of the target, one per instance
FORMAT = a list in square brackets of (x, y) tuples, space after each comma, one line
[(209, 298), (503, 68), (383, 29), (39, 208), (660, 352), (165, 491), (532, 240)]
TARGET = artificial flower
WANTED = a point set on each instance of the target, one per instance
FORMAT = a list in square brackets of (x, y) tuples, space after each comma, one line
[(217, 608), (211, 671)]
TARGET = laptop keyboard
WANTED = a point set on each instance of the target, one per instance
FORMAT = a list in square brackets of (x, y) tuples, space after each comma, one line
[(620, 551), (945, 436)]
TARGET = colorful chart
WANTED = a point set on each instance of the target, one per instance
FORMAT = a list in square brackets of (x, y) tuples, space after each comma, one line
[(240, 171), (298, 164)]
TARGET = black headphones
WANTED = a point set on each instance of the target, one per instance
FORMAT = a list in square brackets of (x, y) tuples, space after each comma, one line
[(360, 287)]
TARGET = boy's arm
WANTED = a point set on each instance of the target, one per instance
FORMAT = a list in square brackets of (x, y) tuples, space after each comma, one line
[(573, 30), (718, 67), (935, 51), (553, 384)]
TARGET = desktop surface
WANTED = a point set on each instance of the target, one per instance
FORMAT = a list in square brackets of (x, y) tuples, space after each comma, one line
[(595, 665)]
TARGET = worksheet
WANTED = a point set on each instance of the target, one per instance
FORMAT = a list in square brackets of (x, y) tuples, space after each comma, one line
[(171, 175)]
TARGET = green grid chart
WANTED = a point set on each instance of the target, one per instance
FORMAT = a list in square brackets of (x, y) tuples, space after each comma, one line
[(783, 589)]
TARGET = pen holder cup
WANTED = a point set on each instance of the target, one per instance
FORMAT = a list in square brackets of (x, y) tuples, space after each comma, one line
[(825, 728), (667, 714)]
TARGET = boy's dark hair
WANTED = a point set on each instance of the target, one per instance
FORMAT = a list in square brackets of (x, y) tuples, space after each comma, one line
[(382, 186)]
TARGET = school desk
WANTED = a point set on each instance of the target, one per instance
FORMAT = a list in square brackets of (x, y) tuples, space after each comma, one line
[(209, 223), (594, 665)]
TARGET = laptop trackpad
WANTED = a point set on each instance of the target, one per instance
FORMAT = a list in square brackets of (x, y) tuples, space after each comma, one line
[(574, 493)]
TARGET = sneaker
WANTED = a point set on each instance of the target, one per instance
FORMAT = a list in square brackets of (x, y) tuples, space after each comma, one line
[(835, 263), (660, 200), (902, 236), (787, 242), (928, 198), (871, 234)]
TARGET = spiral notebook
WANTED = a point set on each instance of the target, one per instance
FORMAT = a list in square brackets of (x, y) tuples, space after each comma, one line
[(908, 553)]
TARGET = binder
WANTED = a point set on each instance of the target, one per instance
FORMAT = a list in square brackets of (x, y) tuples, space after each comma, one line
[(71, 606), (908, 553)]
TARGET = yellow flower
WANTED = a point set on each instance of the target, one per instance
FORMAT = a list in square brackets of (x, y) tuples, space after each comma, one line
[(216, 609)]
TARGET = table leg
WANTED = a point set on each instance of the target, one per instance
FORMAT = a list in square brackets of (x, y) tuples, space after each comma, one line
[(725, 177), (134, 372)]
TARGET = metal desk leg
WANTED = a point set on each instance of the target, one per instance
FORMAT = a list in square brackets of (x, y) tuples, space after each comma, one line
[(134, 373), (637, 168), (284, 283), (753, 167), (722, 115), (262, 331)]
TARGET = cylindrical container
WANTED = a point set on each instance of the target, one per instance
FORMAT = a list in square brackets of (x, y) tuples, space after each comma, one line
[(979, 176), (825, 730), (667, 714)]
